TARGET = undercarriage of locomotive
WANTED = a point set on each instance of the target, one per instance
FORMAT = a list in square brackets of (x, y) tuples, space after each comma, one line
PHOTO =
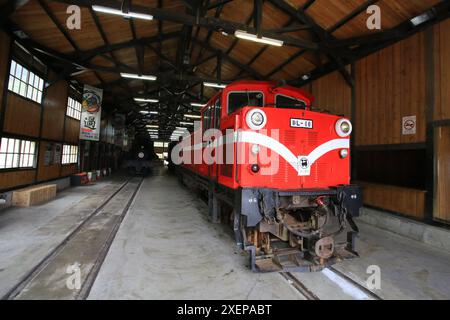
[(299, 232)]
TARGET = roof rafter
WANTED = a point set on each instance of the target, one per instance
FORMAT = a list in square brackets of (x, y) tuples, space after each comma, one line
[(207, 22)]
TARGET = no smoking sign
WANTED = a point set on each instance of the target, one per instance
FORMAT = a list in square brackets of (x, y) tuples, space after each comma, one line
[(409, 125)]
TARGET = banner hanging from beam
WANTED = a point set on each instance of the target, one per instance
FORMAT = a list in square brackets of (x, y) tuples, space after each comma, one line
[(91, 113)]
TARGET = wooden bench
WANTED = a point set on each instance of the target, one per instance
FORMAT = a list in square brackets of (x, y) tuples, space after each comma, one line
[(33, 195)]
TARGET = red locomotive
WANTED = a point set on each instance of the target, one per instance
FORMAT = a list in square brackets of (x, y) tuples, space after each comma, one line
[(278, 172)]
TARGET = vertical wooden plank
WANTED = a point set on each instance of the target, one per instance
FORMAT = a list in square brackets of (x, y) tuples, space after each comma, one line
[(4, 67), (442, 184), (442, 70)]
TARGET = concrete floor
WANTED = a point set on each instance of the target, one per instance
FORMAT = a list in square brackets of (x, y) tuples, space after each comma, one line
[(167, 249), (27, 235)]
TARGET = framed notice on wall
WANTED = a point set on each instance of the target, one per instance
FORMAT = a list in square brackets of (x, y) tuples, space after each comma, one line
[(91, 113), (57, 153), (409, 125), (48, 156)]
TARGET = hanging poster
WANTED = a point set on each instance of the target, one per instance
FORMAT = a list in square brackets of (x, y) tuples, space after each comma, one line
[(91, 113)]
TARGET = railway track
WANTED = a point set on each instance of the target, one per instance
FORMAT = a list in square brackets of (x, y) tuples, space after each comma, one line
[(299, 286), (347, 282), (86, 245)]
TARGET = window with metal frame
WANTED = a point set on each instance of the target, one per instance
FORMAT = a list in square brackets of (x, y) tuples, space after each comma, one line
[(73, 108), (286, 102), (25, 83), (217, 114), (69, 154), (207, 119), (237, 100), (16, 153)]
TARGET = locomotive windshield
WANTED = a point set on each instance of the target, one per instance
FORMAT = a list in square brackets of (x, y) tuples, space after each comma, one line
[(285, 102), (238, 100)]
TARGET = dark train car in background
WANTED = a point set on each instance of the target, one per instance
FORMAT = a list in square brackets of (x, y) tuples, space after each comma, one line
[(139, 160)]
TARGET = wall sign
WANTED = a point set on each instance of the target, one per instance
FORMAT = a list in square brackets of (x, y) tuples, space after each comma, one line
[(57, 153), (91, 113), (409, 125), (48, 155)]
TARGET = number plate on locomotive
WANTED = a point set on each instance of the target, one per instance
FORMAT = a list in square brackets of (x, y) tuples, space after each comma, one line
[(301, 123)]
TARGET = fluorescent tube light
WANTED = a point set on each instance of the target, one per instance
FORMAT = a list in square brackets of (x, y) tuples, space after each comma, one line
[(118, 12), (424, 17), (193, 116), (152, 126), (253, 37), (195, 104), (214, 85), (146, 100), (136, 76)]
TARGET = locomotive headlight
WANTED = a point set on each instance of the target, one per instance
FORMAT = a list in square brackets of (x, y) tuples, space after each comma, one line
[(141, 155), (343, 153), (256, 119), (343, 128)]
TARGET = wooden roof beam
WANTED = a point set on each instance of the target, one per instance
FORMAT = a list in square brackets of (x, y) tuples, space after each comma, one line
[(204, 21), (233, 61), (89, 54)]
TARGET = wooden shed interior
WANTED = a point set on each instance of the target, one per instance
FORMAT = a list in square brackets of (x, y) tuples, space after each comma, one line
[(375, 77)]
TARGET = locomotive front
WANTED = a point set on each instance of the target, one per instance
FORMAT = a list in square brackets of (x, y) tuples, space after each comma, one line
[(294, 206)]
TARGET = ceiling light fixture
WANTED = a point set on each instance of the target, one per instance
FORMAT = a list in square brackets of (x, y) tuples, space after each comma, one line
[(146, 100), (214, 85), (186, 123), (118, 12), (253, 37), (136, 76), (195, 104), (305, 77), (422, 18), (152, 126), (193, 116)]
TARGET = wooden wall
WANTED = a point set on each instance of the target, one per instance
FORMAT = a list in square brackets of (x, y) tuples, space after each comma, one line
[(11, 179), (46, 172), (407, 201), (441, 39), (4, 62), (332, 93), (44, 123), (72, 130), (390, 85), (442, 183), (22, 116), (54, 112), (442, 70)]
